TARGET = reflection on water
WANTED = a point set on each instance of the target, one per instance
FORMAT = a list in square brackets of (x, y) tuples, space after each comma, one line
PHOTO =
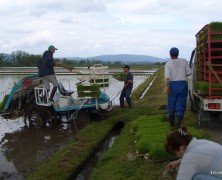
[(25, 145)]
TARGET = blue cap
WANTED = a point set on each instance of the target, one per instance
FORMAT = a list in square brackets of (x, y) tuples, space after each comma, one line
[(174, 51)]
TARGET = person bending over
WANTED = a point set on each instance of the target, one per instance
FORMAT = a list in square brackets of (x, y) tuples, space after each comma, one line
[(199, 159)]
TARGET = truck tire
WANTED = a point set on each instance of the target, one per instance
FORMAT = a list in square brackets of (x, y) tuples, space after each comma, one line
[(220, 116), (191, 104), (204, 117)]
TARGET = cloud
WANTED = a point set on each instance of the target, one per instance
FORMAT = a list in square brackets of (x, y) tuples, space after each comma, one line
[(93, 27)]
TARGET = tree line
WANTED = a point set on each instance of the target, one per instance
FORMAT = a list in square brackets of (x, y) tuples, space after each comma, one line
[(24, 59)]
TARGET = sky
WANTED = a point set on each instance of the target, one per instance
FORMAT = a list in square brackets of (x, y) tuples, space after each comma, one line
[(84, 28)]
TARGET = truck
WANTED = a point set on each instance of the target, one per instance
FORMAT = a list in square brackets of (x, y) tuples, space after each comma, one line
[(205, 82)]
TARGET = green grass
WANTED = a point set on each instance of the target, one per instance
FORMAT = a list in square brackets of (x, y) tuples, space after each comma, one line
[(141, 88), (4, 101)]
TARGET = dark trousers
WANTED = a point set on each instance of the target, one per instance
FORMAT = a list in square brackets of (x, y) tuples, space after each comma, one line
[(126, 94)]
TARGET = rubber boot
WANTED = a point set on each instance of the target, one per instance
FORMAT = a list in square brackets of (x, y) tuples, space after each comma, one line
[(54, 89), (121, 100), (122, 104), (172, 121), (128, 100), (178, 121)]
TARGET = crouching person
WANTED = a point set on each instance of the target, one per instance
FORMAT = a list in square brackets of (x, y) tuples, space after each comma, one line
[(199, 159)]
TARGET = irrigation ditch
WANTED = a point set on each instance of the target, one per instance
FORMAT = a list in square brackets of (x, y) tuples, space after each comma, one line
[(85, 169)]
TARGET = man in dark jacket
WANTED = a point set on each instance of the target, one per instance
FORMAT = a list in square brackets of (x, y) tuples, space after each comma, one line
[(46, 70), (128, 86)]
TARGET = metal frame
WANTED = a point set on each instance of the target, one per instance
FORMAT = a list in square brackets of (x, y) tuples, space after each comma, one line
[(40, 92), (204, 55)]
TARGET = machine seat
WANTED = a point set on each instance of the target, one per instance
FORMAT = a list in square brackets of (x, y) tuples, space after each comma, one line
[(63, 91)]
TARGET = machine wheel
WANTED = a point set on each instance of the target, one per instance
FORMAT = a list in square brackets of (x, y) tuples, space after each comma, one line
[(37, 118)]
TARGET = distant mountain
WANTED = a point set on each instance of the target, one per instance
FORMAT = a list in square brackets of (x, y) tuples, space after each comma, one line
[(127, 58)]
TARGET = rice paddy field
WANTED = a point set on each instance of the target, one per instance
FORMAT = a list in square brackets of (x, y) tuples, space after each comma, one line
[(69, 82)]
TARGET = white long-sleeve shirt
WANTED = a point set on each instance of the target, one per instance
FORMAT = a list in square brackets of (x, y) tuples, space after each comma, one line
[(177, 70), (201, 156)]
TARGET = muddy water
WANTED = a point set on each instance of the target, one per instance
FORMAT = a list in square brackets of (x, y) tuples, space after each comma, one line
[(24, 144)]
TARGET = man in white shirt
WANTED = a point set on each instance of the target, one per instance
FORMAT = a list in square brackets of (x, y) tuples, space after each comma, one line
[(176, 72)]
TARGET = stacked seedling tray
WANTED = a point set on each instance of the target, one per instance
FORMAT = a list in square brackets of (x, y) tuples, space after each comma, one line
[(209, 51), (88, 90), (99, 75)]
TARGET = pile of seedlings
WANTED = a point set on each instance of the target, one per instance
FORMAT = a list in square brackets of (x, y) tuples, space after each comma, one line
[(150, 135)]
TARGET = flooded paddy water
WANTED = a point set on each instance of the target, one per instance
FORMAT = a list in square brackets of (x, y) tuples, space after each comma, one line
[(24, 144)]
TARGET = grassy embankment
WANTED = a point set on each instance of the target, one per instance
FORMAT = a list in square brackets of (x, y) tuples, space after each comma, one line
[(68, 160), (114, 165)]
